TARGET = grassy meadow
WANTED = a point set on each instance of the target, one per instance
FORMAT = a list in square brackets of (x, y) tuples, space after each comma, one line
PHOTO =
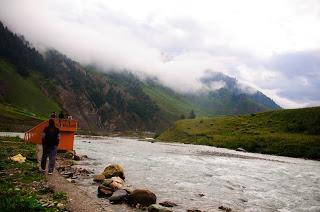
[(294, 132), (22, 186)]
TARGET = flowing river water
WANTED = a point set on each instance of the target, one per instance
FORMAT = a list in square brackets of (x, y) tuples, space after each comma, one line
[(205, 177)]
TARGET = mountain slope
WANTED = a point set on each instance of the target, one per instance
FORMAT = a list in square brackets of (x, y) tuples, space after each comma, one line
[(24, 92), (292, 132), (105, 101)]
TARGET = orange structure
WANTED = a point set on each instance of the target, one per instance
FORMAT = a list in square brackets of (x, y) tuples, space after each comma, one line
[(67, 128)]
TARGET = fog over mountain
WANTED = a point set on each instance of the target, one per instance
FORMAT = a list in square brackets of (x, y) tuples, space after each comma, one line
[(271, 46)]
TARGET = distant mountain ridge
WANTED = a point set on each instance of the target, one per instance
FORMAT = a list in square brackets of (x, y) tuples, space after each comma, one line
[(112, 100)]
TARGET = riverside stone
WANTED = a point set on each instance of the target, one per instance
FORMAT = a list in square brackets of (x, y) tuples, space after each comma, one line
[(142, 197), (104, 191), (168, 204), (118, 196), (99, 178), (158, 208), (114, 170)]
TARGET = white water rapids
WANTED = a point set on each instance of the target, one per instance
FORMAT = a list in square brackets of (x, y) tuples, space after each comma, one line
[(205, 177)]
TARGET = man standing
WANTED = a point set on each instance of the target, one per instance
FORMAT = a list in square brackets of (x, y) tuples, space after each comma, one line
[(50, 142)]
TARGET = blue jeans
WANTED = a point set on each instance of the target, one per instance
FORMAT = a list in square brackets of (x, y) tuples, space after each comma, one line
[(51, 152)]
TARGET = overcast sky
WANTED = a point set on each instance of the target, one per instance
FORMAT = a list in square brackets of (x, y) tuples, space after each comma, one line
[(271, 45)]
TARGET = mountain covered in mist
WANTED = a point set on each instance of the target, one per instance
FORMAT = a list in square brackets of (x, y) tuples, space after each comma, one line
[(111, 100)]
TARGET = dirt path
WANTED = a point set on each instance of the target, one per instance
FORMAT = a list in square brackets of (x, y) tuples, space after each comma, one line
[(78, 199)]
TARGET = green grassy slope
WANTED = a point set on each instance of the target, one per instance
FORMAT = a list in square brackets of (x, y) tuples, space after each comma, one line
[(293, 132), (24, 92), (13, 119), (172, 104)]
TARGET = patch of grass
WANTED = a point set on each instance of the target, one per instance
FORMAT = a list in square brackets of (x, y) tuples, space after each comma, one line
[(19, 181), (15, 119), (60, 196), (294, 133)]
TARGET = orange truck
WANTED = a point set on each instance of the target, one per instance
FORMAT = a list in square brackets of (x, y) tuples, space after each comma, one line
[(67, 128)]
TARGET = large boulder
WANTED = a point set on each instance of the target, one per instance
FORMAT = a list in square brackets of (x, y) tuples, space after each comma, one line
[(99, 178), (118, 196), (104, 191), (142, 197), (114, 170), (158, 208)]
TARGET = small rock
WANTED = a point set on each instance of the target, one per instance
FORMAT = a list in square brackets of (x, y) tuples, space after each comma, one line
[(240, 149), (104, 191), (71, 180), (118, 196), (168, 204), (99, 178), (117, 179), (201, 195), (76, 157), (114, 170), (225, 208), (66, 174), (115, 185), (142, 197), (158, 208), (60, 206), (84, 157)]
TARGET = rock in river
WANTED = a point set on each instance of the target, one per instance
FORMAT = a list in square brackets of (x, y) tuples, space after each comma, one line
[(142, 197), (168, 204), (99, 178), (114, 170), (104, 191), (158, 208), (118, 196)]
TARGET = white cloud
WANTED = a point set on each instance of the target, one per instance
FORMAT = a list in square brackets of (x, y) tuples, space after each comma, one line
[(178, 40)]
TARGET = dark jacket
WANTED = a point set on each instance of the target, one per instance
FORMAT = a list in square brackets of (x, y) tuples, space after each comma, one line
[(50, 136)]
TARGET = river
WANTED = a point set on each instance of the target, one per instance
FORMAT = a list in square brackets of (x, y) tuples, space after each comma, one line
[(205, 177)]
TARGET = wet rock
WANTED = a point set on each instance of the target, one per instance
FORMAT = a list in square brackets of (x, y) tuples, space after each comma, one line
[(115, 185), (76, 157), (158, 208), (114, 170), (118, 196), (104, 191), (66, 174), (201, 195), (240, 149), (225, 208), (168, 204), (194, 210), (84, 157), (107, 182), (99, 178), (142, 197)]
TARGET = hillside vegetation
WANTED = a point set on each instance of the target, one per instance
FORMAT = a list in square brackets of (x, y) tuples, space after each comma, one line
[(23, 92), (294, 132), (17, 120)]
